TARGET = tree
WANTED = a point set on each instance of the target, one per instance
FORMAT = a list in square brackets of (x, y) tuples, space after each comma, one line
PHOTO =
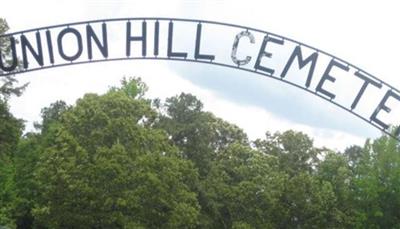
[(10, 131), (294, 150), (305, 201), (377, 184), (7, 87), (10, 128), (353, 155), (243, 190), (200, 138), (133, 87), (7, 195), (51, 114), (103, 165), (336, 170), (199, 135), (119, 160)]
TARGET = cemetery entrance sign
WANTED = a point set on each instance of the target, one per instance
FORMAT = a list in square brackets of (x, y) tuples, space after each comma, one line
[(222, 44)]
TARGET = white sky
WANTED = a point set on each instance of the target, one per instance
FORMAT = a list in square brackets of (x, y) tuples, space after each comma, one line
[(364, 33)]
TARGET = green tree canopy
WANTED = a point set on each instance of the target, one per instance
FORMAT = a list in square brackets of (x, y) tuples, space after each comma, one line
[(119, 160), (10, 132), (103, 165)]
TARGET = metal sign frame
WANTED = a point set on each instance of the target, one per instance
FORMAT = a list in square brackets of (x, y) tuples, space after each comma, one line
[(369, 79)]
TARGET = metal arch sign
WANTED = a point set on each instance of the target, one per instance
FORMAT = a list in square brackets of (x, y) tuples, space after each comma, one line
[(222, 44)]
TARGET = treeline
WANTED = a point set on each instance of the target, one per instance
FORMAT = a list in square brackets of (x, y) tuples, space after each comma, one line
[(119, 160)]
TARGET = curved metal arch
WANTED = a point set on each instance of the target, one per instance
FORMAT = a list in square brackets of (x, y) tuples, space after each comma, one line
[(387, 131)]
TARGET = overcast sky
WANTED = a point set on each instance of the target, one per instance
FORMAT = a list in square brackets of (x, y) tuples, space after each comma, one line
[(364, 33)]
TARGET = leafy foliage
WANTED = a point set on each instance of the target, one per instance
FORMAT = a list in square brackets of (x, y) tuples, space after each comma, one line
[(10, 132), (104, 166), (119, 160)]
